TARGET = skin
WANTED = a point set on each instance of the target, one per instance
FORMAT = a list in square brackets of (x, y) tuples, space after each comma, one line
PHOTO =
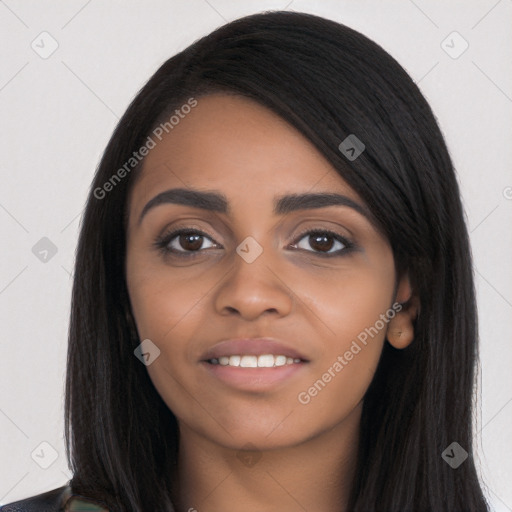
[(304, 454)]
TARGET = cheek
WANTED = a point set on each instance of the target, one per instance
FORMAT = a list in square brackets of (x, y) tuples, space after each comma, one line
[(339, 378), (348, 303), (352, 309), (163, 302), (167, 310)]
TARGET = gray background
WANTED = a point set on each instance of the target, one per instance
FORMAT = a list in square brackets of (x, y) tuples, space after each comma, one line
[(59, 110)]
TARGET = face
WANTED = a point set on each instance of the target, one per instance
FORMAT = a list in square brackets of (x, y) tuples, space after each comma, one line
[(317, 278)]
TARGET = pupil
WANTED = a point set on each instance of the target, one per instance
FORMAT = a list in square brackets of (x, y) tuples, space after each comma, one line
[(196, 244), (322, 245)]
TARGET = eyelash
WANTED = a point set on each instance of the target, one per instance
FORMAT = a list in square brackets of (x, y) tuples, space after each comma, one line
[(161, 242)]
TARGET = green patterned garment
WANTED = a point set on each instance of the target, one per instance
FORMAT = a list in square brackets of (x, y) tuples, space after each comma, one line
[(75, 503)]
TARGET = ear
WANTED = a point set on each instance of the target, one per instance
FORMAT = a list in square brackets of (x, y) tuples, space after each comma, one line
[(400, 331)]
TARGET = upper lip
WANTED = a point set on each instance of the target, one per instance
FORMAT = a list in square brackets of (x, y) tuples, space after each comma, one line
[(251, 346)]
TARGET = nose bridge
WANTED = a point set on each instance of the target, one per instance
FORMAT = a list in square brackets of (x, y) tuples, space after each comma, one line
[(253, 284)]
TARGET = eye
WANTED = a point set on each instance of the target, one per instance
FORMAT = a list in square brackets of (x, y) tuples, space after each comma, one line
[(183, 242), (189, 242), (321, 240)]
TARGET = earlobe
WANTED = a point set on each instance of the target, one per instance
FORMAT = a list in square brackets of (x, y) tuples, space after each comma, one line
[(400, 336), (400, 332)]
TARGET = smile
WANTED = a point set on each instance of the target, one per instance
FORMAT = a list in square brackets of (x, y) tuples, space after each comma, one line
[(253, 361), (250, 373)]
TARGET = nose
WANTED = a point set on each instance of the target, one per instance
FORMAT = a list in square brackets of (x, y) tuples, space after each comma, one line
[(252, 288)]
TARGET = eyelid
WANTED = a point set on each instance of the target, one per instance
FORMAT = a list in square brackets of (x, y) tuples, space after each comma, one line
[(348, 243), (163, 240), (185, 227)]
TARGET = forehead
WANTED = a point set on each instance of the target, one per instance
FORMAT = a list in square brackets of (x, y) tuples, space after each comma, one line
[(236, 145)]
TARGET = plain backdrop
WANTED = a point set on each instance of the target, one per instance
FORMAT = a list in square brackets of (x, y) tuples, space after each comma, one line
[(68, 71)]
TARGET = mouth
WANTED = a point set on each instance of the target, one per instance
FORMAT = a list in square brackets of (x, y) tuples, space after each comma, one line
[(252, 353), (254, 378), (253, 364), (254, 361)]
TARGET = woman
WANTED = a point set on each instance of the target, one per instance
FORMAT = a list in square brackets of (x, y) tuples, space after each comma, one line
[(273, 305)]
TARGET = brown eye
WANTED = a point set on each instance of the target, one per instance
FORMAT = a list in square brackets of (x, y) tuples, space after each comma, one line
[(323, 241), (183, 242), (189, 242)]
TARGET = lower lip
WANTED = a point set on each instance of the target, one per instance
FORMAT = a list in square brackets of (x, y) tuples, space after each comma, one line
[(254, 379)]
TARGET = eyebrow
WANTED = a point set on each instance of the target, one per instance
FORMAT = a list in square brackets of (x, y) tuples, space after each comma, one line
[(217, 202)]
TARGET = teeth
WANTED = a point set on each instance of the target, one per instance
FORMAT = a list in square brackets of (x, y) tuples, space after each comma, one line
[(234, 361), (280, 360), (249, 361), (265, 361)]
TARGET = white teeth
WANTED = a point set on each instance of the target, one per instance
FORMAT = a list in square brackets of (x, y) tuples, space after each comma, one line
[(280, 360), (265, 361), (234, 361), (250, 361)]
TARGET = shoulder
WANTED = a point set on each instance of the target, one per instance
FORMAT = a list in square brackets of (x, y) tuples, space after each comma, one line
[(50, 501), (61, 499)]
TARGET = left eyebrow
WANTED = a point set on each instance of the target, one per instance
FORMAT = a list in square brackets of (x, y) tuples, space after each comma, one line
[(217, 202)]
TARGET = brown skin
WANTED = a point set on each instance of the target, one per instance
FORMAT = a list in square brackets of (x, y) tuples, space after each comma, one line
[(318, 305)]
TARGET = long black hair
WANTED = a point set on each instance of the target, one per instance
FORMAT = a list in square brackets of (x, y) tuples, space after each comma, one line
[(328, 81)]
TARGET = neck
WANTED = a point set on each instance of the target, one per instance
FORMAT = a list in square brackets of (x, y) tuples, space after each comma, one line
[(315, 475)]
